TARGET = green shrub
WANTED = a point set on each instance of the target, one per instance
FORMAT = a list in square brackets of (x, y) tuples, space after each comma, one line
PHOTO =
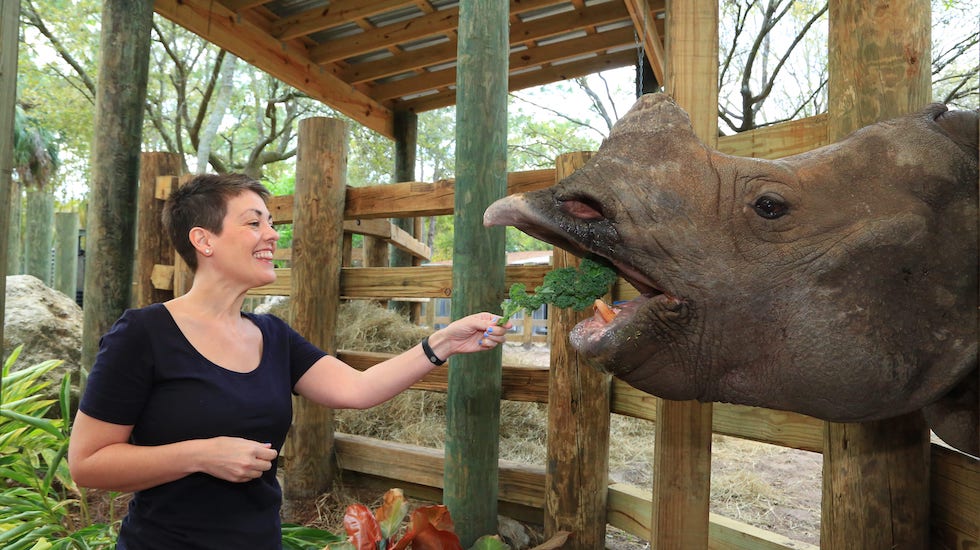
[(40, 505)]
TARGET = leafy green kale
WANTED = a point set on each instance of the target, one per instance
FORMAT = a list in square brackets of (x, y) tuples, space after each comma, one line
[(566, 287)]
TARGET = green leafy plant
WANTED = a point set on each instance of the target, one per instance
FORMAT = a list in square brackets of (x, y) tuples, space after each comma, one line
[(40, 505), (566, 287), (299, 537)]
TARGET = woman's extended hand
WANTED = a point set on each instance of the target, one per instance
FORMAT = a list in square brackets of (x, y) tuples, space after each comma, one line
[(476, 332), (237, 460)]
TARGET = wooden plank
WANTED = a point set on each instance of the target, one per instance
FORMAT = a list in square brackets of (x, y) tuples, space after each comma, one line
[(520, 31), (779, 140), (517, 384), (531, 57), (336, 13), (644, 16), (784, 428), (157, 172), (433, 24), (519, 483), (162, 277), (222, 27), (539, 77), (630, 509), (954, 498)]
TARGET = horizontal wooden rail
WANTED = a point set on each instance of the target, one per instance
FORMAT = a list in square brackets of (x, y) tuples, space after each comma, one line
[(783, 428), (779, 140), (628, 507), (400, 282)]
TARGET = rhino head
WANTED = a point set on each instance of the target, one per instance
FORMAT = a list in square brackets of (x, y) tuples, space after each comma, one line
[(840, 283)]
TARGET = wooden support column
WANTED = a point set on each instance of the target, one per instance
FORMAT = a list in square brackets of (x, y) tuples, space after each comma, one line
[(406, 143), (876, 475), (473, 402), (111, 216), (9, 23), (318, 233), (577, 468), (158, 178), (65, 276), (682, 453)]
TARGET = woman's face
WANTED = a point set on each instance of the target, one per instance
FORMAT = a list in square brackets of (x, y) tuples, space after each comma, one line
[(247, 241)]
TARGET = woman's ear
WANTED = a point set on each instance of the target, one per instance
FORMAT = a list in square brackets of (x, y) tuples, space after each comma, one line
[(201, 240)]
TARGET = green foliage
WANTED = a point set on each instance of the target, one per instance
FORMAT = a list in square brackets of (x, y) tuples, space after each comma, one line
[(40, 505), (298, 537), (567, 287)]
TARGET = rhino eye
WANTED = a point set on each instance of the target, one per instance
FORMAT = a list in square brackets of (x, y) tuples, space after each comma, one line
[(770, 207)]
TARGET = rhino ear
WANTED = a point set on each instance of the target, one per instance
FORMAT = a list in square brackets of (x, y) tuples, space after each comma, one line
[(962, 127)]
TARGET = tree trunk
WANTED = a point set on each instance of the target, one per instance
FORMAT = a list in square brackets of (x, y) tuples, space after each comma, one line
[(111, 222), (9, 18)]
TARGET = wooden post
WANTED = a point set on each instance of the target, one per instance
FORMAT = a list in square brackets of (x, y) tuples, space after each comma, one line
[(9, 21), (111, 217), (38, 233), (577, 470), (876, 475), (318, 232), (473, 403), (66, 253), (406, 142), (158, 178), (682, 453)]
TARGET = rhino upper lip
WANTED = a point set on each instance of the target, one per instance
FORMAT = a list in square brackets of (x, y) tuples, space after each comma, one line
[(640, 282)]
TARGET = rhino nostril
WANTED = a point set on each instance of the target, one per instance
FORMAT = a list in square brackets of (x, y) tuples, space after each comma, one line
[(580, 209)]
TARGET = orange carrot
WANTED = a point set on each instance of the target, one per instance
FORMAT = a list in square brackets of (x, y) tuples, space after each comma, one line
[(603, 310)]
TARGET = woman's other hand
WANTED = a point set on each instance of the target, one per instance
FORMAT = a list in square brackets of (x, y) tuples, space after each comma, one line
[(237, 460)]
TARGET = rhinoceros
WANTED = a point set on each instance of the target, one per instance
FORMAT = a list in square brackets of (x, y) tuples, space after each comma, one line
[(840, 283)]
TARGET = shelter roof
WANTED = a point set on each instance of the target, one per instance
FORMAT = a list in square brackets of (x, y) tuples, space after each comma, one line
[(370, 58)]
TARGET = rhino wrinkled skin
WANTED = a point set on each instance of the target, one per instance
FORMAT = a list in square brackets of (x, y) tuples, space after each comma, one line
[(840, 283)]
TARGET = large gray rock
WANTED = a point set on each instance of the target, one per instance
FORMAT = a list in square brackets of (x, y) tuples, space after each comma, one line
[(46, 322)]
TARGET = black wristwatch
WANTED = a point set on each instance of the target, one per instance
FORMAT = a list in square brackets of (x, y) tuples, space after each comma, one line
[(427, 349)]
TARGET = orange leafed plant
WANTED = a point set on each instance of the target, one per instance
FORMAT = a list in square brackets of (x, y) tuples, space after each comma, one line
[(431, 528)]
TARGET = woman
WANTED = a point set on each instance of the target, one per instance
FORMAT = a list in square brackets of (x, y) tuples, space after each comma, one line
[(189, 402)]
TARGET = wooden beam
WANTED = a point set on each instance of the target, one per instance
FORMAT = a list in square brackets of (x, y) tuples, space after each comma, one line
[(9, 45), (520, 32), (335, 13), (220, 26), (434, 24), (538, 77), (554, 53), (644, 16)]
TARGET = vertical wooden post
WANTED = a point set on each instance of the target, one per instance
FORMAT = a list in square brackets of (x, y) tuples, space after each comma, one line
[(876, 475), (406, 143), (66, 253), (577, 470), (473, 405), (111, 217), (318, 231), (38, 233), (9, 23), (682, 453), (153, 245)]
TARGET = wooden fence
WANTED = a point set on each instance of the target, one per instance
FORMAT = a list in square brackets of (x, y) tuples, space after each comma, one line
[(955, 477)]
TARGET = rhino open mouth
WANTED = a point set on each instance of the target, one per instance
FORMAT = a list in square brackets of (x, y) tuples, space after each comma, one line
[(610, 343)]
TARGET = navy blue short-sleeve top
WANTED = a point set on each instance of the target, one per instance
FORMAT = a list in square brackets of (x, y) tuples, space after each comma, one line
[(148, 375)]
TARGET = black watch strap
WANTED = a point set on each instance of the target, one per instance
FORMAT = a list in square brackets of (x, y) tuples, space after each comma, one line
[(427, 349)]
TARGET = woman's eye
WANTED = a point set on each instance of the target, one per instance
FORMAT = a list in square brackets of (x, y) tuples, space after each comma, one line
[(770, 207)]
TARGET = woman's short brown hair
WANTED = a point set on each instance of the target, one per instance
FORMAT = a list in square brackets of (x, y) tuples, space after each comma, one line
[(202, 202)]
